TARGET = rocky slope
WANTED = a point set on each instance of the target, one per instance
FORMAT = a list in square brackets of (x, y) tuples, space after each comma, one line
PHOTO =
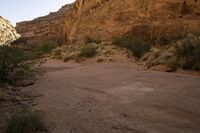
[(105, 19), (8, 33), (44, 29)]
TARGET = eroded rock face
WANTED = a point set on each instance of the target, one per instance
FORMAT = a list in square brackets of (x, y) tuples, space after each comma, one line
[(105, 19), (44, 29), (8, 33)]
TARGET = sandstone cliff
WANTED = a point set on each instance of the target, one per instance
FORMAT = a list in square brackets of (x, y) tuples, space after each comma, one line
[(105, 19), (8, 33), (44, 29)]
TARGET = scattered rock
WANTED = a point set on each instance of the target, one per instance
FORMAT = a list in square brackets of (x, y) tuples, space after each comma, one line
[(25, 83), (67, 57), (9, 87), (99, 60), (110, 59), (18, 98), (162, 68)]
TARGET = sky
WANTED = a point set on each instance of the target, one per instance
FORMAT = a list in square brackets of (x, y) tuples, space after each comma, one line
[(22, 10)]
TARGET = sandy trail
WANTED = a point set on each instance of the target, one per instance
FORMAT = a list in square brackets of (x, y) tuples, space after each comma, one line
[(117, 98)]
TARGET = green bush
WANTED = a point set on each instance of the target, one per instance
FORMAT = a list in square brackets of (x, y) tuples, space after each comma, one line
[(137, 45), (188, 54), (25, 122), (46, 48), (88, 50), (57, 52), (166, 40), (2, 96), (16, 64)]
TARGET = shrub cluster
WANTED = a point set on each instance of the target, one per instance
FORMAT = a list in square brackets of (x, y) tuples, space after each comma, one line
[(25, 122), (88, 50), (16, 64), (137, 45), (57, 53), (188, 54), (46, 48)]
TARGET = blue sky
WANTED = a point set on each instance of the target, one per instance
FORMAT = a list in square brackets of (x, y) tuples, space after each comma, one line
[(21, 10)]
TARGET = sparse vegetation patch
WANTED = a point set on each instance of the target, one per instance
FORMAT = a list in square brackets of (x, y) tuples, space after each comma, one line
[(46, 47), (188, 54), (16, 64), (88, 50), (25, 122), (57, 53), (137, 45)]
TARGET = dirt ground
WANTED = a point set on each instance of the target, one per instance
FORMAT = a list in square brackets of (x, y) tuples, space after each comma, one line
[(117, 98)]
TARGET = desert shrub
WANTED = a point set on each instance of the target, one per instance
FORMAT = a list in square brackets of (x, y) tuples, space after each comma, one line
[(57, 52), (171, 63), (137, 45), (88, 50), (46, 47), (90, 40), (2, 96), (16, 64), (166, 40), (25, 122), (159, 56), (188, 54)]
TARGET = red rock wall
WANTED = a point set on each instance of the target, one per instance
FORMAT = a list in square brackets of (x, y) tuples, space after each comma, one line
[(105, 19), (44, 29)]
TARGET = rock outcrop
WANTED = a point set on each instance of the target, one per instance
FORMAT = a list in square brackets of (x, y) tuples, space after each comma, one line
[(44, 29), (105, 19), (8, 33)]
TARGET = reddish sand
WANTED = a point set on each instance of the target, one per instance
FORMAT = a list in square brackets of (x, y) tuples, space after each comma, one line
[(117, 98)]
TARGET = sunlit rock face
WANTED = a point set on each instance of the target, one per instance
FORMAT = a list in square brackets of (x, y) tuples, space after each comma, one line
[(105, 19), (8, 33), (44, 29)]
